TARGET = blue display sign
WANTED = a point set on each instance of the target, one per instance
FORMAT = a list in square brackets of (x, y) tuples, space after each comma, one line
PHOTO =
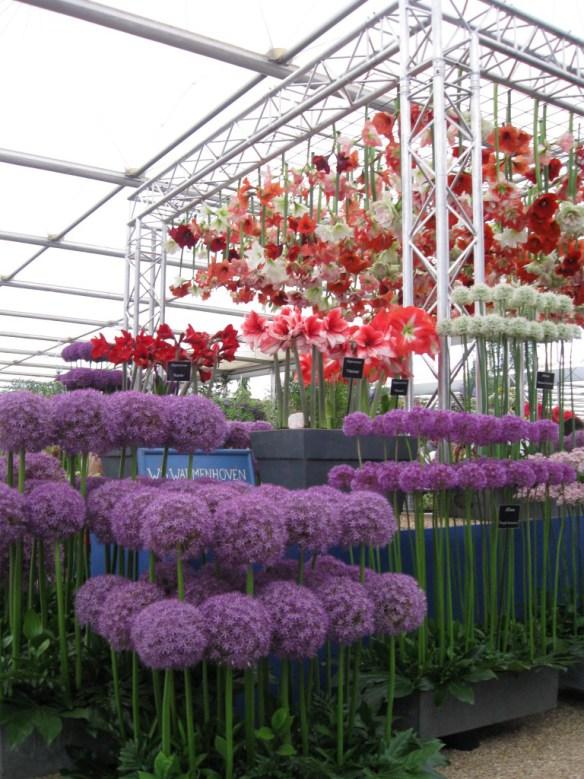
[(221, 464)]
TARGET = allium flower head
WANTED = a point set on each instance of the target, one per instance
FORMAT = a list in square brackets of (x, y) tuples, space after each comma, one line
[(367, 478), (25, 421), (471, 476), (195, 422), (513, 428), (169, 634), (398, 601), (101, 502), (496, 474), (349, 609), (38, 466), (215, 494), (357, 424), (313, 519), (122, 604), (388, 477), (300, 623), (206, 583), (395, 422), (367, 518), (80, 421), (126, 515), (238, 630), (12, 515), (78, 350), (54, 511), (137, 419), (441, 476), (340, 477), (253, 529), (175, 523), (413, 478), (543, 430), (90, 597)]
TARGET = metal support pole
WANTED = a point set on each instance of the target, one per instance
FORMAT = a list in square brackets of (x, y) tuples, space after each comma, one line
[(162, 274), (441, 201), (137, 268)]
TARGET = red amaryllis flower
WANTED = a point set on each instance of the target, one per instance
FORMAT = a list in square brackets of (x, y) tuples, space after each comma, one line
[(306, 225), (511, 139), (370, 342), (321, 163), (312, 332), (527, 410), (217, 243), (253, 328), (556, 414), (544, 207), (123, 348), (181, 290), (182, 235), (334, 329), (347, 162), (100, 348), (412, 330), (273, 250), (383, 123), (165, 332)]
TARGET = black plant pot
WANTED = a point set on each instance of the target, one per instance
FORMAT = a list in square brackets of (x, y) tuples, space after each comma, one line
[(302, 458), (573, 678), (510, 696)]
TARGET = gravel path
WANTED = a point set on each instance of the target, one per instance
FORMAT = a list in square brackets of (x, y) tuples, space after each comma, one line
[(544, 746)]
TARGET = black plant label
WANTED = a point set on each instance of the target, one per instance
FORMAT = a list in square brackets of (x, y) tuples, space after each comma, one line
[(399, 387), (353, 368), (545, 380), (179, 370), (509, 516)]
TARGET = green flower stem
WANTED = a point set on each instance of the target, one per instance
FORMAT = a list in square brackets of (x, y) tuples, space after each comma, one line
[(135, 697), (164, 466), (390, 690), (286, 393), (228, 723), (420, 557), (63, 653), (151, 567), (301, 567), (313, 390), (303, 708), (134, 463), (117, 693), (190, 721), (167, 696), (122, 469), (10, 469), (285, 694), (547, 523), (469, 573), (278, 392), (190, 467), (206, 701), (303, 402), (42, 574), (340, 705), (530, 594), (249, 683), (322, 416)]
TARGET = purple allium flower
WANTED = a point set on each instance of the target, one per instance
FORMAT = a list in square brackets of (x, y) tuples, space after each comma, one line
[(367, 478), (357, 424), (90, 597), (238, 435), (195, 422), (398, 601), (300, 623), (340, 477), (490, 430), (93, 482), (388, 478), (540, 466), (471, 476), (496, 474), (25, 421), (38, 466), (514, 429), (313, 519), (574, 440), (176, 524), (101, 502), (169, 634), (12, 515), (95, 378), (420, 422), (521, 474), (441, 476), (182, 486), (121, 605), (80, 421), (366, 518), (349, 609), (54, 510), (252, 528), (543, 430), (238, 629), (78, 350), (465, 428), (395, 422), (137, 419), (327, 566), (413, 478), (443, 425), (567, 475), (215, 494), (206, 583), (126, 516)]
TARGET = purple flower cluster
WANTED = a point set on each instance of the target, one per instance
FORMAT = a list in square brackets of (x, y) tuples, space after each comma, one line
[(299, 621), (12, 515), (25, 421), (253, 529), (313, 518), (458, 427), (91, 596), (367, 518), (349, 609), (37, 465), (137, 419), (120, 606), (80, 421), (195, 422), (476, 474), (102, 502), (239, 433), (99, 379), (398, 601), (54, 510), (126, 516), (169, 634), (176, 524), (238, 629), (78, 350)]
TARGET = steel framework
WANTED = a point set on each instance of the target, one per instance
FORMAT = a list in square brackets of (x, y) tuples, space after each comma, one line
[(446, 56)]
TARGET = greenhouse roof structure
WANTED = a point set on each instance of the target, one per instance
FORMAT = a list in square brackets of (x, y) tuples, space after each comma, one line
[(123, 119)]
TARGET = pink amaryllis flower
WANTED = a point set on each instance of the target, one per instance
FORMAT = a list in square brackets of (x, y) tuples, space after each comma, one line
[(253, 329), (283, 331), (335, 329), (370, 342)]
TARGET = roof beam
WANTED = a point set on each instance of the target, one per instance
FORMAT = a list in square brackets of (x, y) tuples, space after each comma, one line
[(56, 243), (68, 168), (55, 318), (152, 30), (30, 336)]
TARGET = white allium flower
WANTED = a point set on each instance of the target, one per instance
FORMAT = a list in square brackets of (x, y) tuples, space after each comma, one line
[(564, 332), (482, 293), (546, 302), (445, 327), (524, 297), (503, 293), (535, 331), (463, 326), (462, 296), (564, 304), (576, 331), (517, 327), (511, 239), (494, 327), (570, 217), (550, 331)]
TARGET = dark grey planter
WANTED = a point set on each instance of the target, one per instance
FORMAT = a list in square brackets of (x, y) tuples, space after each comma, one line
[(510, 696), (110, 464), (573, 678), (302, 458), (33, 758)]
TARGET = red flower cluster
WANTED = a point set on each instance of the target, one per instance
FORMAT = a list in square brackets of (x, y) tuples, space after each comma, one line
[(204, 351)]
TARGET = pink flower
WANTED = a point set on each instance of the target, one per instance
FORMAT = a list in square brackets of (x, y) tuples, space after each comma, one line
[(566, 142), (253, 329), (370, 135), (371, 343), (282, 332), (334, 329)]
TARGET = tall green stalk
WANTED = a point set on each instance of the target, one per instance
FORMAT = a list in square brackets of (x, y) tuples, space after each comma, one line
[(228, 723)]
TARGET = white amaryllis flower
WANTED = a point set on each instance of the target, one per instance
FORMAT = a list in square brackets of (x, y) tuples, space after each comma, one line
[(384, 212), (170, 247), (255, 256), (220, 219), (324, 232), (314, 296), (340, 230), (275, 272), (297, 209), (462, 296), (570, 217), (524, 297), (511, 239)]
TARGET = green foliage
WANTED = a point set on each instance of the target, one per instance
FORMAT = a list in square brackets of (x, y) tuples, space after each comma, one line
[(47, 388), (241, 406)]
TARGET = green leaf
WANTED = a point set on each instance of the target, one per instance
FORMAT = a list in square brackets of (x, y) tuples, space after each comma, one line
[(463, 692), (32, 626), (163, 765), (221, 746), (280, 719), (264, 733), (145, 775), (210, 774), (403, 687), (76, 714), (480, 675), (48, 723), (19, 727), (286, 750)]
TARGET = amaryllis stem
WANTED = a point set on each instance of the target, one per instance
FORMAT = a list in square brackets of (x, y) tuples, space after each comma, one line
[(303, 403)]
